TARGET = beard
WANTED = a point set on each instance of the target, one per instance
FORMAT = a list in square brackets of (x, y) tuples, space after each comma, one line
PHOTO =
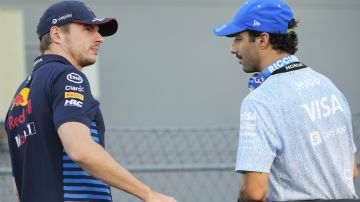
[(80, 57), (83, 62), (249, 64)]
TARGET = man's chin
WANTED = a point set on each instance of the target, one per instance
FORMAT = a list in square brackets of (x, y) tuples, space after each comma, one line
[(245, 69), (88, 63), (248, 70)]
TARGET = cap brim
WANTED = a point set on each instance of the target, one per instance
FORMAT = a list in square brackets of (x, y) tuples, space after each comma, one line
[(107, 26), (228, 30)]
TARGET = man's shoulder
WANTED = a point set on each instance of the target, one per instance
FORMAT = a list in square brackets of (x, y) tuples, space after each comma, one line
[(55, 70), (262, 94), (53, 65), (258, 100)]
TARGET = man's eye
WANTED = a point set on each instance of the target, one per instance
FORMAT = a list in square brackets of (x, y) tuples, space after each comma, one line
[(87, 27)]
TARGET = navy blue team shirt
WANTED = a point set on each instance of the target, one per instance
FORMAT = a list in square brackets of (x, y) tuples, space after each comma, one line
[(55, 93)]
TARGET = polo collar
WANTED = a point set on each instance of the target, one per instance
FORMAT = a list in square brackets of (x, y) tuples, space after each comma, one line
[(44, 59)]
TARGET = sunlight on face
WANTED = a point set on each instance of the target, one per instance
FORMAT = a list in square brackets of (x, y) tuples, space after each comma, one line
[(82, 43)]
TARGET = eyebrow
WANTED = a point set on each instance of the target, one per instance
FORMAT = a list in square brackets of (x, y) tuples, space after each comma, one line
[(238, 36), (88, 25)]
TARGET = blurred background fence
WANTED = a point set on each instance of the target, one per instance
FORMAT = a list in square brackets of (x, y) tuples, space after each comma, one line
[(192, 164)]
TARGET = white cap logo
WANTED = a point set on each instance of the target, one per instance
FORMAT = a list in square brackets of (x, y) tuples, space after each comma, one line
[(256, 23), (54, 21), (220, 28), (98, 19)]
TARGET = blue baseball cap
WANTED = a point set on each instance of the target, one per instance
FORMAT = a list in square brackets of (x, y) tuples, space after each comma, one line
[(270, 16), (65, 12)]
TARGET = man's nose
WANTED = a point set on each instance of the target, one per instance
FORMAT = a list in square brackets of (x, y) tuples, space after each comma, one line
[(99, 38), (233, 49)]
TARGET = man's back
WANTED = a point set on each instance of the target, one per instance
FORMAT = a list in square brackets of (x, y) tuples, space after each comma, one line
[(303, 137), (54, 93), (36, 151)]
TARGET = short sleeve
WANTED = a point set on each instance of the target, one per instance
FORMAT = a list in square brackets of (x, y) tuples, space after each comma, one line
[(72, 99), (352, 137), (349, 117), (258, 142)]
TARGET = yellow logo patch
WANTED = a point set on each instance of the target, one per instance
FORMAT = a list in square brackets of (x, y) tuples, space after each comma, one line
[(74, 95)]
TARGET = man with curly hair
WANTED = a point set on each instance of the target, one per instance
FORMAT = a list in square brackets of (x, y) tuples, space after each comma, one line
[(295, 138)]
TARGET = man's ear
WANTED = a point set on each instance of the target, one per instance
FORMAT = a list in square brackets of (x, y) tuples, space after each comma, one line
[(263, 40), (55, 34)]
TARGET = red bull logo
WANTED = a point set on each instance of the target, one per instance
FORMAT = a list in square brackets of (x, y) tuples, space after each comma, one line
[(21, 99), (15, 121)]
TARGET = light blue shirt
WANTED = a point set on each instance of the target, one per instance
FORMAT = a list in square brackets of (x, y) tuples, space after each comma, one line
[(297, 127)]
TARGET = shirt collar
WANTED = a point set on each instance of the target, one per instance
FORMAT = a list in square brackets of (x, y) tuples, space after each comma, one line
[(44, 59), (279, 64)]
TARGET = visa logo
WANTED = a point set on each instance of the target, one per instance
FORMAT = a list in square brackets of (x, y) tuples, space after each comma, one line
[(322, 108)]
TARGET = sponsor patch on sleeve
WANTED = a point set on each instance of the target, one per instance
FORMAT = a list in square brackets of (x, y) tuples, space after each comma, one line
[(75, 78), (74, 95), (73, 103), (80, 88)]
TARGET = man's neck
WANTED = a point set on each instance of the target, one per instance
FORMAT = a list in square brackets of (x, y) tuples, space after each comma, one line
[(65, 55)]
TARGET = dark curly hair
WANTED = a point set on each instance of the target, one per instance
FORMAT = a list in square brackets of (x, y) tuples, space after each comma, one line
[(283, 42)]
